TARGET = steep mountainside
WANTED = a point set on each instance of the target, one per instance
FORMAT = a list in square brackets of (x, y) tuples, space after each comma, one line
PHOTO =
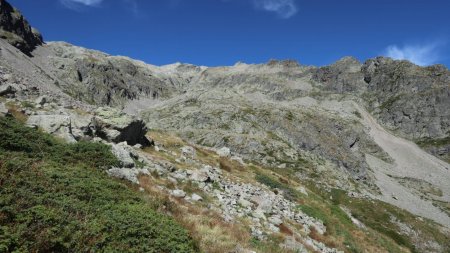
[(274, 157)]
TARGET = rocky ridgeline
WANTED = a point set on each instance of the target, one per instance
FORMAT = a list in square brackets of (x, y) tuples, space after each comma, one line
[(15, 29)]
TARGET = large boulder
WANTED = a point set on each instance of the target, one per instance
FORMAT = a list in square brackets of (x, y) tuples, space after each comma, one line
[(123, 155), (115, 126), (129, 174), (3, 110), (7, 90), (15, 29), (82, 126), (224, 152), (58, 125)]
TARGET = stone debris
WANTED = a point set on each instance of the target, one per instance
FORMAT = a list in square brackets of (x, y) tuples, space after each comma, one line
[(224, 152), (178, 193)]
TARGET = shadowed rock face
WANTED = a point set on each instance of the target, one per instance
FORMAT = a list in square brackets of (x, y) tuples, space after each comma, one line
[(15, 29), (115, 126)]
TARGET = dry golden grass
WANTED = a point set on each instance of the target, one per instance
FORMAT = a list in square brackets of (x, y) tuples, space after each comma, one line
[(229, 165), (286, 230), (166, 139), (214, 235), (205, 226), (17, 112)]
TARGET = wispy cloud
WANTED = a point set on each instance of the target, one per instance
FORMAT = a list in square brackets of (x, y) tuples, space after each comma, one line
[(420, 54), (283, 8), (75, 4)]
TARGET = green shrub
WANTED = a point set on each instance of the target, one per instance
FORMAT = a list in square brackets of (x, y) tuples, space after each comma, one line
[(35, 144), (55, 197), (315, 213), (288, 192), (272, 183)]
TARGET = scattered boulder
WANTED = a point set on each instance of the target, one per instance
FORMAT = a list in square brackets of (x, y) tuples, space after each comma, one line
[(188, 151), (238, 159), (259, 214), (206, 174), (275, 220), (302, 190), (224, 152), (178, 193), (244, 202), (181, 175), (7, 90), (196, 197), (199, 176), (114, 125), (129, 174), (41, 100)]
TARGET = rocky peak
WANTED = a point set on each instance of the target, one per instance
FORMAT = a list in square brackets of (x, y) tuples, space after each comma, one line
[(347, 63), (283, 63), (15, 29)]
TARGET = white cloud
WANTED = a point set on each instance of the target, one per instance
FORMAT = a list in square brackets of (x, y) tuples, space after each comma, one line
[(74, 4), (422, 55), (283, 8)]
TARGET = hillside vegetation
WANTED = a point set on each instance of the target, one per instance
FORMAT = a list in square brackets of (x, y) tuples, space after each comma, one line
[(54, 197)]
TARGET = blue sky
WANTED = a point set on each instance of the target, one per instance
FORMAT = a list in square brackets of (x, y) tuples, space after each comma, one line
[(223, 32)]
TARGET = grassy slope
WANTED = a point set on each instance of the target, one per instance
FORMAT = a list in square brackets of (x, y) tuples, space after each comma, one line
[(381, 233), (54, 197)]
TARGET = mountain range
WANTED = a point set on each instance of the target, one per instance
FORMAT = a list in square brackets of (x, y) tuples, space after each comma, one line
[(350, 157)]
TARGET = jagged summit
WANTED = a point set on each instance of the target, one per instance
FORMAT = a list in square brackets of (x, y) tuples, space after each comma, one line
[(15, 29), (284, 63)]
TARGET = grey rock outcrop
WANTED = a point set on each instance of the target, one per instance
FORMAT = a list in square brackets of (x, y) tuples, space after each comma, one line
[(129, 174), (15, 29), (224, 152), (123, 154), (115, 126), (188, 152), (411, 100), (59, 125), (344, 76), (7, 90)]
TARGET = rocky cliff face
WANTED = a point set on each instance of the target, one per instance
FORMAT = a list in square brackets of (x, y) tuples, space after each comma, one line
[(15, 29), (411, 100), (280, 114)]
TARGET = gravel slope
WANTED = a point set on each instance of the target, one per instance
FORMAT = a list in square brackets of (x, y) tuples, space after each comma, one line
[(409, 162)]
